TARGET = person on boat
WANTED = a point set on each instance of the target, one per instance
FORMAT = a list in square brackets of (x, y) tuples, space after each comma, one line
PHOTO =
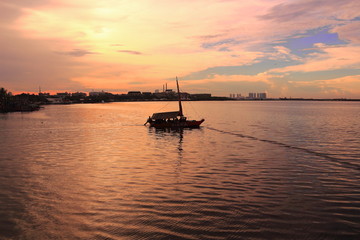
[(183, 119)]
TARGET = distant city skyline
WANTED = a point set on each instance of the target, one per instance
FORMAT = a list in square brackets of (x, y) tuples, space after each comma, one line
[(284, 48)]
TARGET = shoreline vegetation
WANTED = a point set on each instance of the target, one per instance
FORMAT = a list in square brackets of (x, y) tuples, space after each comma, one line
[(17, 103), (26, 102)]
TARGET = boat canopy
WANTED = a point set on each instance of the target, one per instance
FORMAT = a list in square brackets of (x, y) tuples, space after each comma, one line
[(165, 115)]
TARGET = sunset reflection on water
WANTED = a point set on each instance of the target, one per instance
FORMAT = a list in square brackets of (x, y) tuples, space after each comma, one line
[(254, 170)]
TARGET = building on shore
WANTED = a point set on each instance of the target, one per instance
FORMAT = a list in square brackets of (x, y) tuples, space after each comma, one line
[(43, 94), (94, 94), (79, 94), (261, 95), (134, 93), (257, 96), (252, 96), (55, 100), (64, 94), (236, 96)]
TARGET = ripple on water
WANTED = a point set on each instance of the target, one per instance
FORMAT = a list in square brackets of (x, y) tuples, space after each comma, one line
[(84, 172)]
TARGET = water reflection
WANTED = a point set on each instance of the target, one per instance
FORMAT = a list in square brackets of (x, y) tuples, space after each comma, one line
[(95, 172), (171, 138), (177, 134)]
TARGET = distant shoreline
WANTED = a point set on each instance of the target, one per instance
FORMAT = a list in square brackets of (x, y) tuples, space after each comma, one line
[(302, 99), (38, 106), (214, 99)]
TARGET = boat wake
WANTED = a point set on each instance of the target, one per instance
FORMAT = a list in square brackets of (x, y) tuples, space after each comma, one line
[(320, 154)]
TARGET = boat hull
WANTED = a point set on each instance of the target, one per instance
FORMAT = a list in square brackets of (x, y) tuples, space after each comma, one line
[(185, 124)]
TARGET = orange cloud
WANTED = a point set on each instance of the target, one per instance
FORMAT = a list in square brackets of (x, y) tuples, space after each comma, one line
[(112, 44), (344, 87)]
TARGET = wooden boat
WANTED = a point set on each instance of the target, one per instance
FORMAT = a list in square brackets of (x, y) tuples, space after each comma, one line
[(175, 119)]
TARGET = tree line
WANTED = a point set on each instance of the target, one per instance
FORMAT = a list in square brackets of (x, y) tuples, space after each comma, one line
[(22, 102)]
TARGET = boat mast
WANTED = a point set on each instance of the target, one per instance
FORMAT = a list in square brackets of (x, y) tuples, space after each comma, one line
[(180, 106)]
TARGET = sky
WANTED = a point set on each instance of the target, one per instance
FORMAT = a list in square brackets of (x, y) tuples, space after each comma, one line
[(286, 48)]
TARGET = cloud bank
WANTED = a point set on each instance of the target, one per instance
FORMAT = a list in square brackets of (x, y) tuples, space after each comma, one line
[(282, 47)]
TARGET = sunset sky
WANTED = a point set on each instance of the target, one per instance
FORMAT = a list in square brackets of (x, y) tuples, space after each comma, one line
[(286, 48)]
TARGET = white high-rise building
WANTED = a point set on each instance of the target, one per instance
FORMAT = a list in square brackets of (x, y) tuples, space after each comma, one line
[(261, 95), (252, 95)]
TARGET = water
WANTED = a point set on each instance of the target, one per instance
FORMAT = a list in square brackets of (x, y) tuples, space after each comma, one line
[(255, 170)]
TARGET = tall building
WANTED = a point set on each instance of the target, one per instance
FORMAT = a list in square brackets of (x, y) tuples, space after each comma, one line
[(236, 96), (261, 95), (252, 95)]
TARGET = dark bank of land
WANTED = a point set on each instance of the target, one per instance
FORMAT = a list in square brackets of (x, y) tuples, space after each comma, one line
[(18, 103), (32, 102)]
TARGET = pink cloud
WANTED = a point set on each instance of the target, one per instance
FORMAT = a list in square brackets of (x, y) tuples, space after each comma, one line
[(349, 32), (329, 58), (173, 37), (130, 52)]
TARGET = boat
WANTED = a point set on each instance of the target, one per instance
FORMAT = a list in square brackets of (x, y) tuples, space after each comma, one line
[(174, 119)]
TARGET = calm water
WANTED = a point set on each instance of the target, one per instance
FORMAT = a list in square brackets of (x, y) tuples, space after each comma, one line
[(255, 170)]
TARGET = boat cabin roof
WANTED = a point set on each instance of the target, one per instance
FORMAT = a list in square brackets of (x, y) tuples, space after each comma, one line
[(165, 115)]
